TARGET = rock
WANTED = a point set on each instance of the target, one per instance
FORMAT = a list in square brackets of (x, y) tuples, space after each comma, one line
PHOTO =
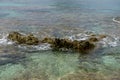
[(48, 40), (31, 40), (84, 46), (78, 46), (14, 36), (96, 38), (23, 39), (102, 36), (93, 39)]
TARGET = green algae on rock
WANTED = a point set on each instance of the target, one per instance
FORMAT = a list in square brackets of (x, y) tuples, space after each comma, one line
[(23, 39), (83, 46)]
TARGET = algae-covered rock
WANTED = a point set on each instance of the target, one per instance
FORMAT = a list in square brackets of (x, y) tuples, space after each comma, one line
[(83, 46), (31, 40), (48, 40), (79, 46), (23, 39), (93, 39), (101, 36), (14, 36)]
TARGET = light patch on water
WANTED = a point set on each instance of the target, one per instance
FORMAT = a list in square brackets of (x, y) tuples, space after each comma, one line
[(54, 64), (8, 72), (11, 4), (42, 66), (111, 62), (79, 37), (44, 46)]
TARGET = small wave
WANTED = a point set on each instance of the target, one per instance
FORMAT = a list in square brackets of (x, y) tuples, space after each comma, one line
[(44, 46), (109, 41), (39, 47), (115, 20), (78, 37), (4, 40)]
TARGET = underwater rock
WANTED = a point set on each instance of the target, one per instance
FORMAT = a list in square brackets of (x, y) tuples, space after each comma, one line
[(23, 39)]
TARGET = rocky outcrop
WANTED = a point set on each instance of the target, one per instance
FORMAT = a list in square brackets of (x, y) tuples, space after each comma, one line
[(23, 39), (83, 46)]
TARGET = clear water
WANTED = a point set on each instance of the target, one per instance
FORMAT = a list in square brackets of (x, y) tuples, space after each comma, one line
[(59, 18)]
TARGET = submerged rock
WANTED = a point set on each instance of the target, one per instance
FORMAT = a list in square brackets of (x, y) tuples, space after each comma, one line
[(23, 39)]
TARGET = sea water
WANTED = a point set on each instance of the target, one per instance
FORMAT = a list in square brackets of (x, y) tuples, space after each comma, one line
[(72, 19)]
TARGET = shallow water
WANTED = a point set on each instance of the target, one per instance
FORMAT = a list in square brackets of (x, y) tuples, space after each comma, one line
[(71, 19)]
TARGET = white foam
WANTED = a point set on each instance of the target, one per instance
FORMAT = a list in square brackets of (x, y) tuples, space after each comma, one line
[(115, 20), (43, 46), (109, 41), (4, 40), (79, 37)]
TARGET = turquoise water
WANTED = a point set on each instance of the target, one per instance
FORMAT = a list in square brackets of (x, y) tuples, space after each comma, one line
[(59, 18)]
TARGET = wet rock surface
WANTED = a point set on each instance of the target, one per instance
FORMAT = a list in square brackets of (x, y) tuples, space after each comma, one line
[(117, 18), (83, 46), (23, 39)]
